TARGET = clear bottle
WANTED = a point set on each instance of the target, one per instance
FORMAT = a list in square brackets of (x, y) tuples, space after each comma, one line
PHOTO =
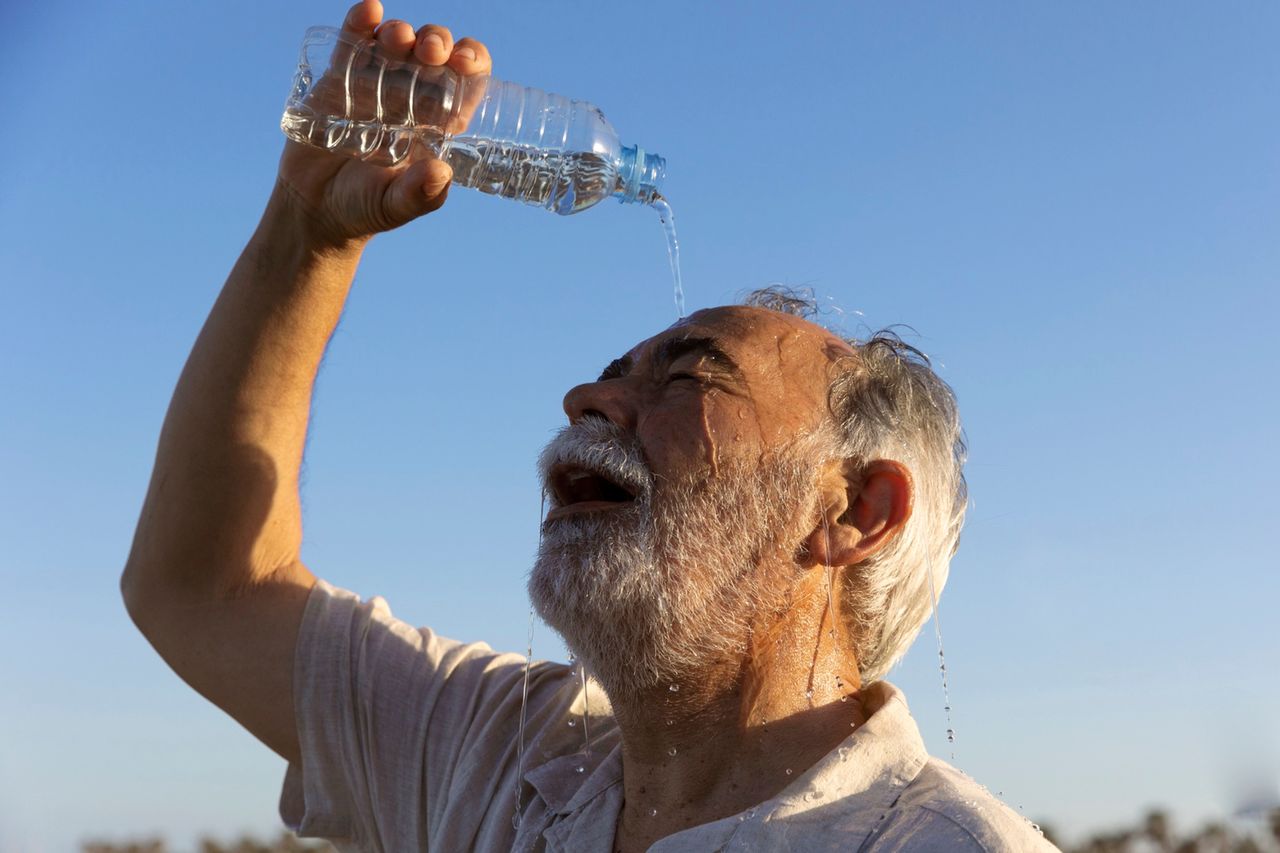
[(500, 138)]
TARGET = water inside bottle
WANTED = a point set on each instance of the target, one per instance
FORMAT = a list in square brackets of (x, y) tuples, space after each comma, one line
[(563, 182), (668, 219)]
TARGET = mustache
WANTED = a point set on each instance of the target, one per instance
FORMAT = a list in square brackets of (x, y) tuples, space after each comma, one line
[(601, 446)]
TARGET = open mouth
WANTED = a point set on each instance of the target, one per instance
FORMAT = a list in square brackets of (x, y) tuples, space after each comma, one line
[(576, 489)]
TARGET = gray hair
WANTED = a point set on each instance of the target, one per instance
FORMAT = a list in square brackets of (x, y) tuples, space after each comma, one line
[(886, 402)]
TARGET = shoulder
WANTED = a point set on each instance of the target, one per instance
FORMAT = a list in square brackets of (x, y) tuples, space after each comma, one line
[(942, 809)]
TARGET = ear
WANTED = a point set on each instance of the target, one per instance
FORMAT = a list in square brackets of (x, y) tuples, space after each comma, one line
[(864, 506)]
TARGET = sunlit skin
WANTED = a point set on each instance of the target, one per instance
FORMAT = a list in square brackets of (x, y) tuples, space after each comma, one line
[(735, 383), (216, 582)]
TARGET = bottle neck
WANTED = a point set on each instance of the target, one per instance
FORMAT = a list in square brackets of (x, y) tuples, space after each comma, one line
[(639, 176)]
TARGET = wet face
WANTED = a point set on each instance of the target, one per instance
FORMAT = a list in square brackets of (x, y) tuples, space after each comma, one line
[(680, 491)]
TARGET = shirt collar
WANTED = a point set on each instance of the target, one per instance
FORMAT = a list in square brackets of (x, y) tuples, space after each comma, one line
[(565, 788)]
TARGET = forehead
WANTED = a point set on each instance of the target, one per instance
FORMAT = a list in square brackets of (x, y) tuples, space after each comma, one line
[(751, 334), (782, 361)]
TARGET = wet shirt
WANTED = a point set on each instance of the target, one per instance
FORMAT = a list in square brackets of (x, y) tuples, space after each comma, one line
[(410, 742)]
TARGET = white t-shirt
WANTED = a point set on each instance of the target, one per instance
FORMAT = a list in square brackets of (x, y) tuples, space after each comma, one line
[(409, 742)]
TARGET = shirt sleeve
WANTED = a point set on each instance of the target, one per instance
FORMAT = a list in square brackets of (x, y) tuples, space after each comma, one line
[(392, 722)]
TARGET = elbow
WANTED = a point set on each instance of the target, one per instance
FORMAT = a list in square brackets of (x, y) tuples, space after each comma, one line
[(132, 593)]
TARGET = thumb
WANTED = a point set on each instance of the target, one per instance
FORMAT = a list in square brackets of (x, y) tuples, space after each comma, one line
[(417, 190)]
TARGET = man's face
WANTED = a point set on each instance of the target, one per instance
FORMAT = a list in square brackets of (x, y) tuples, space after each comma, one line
[(680, 491)]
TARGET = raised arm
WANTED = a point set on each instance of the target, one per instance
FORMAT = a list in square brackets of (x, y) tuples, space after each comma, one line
[(214, 578)]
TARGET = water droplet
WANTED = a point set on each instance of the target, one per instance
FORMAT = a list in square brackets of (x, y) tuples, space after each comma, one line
[(844, 698), (788, 771), (653, 812), (947, 708), (751, 812), (951, 735), (808, 694), (671, 722), (675, 688), (1037, 828), (580, 769), (843, 752), (671, 751), (573, 723), (515, 821), (808, 796)]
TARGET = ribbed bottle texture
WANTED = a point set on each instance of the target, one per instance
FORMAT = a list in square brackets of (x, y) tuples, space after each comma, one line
[(499, 137)]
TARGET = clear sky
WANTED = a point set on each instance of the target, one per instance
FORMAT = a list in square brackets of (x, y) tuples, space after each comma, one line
[(1077, 207)]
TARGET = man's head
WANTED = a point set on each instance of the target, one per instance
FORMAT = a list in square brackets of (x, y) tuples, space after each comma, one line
[(716, 463)]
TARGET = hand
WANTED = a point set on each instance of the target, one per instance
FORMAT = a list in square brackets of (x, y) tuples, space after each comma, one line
[(346, 200)]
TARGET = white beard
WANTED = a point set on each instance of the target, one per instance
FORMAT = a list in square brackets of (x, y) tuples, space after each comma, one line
[(669, 586)]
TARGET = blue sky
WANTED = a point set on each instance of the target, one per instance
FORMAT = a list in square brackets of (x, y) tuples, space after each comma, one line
[(1076, 207)]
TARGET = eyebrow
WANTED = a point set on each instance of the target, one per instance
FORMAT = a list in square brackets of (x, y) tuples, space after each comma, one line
[(675, 348), (617, 369)]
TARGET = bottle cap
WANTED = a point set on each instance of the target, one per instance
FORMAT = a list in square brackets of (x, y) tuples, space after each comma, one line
[(639, 175)]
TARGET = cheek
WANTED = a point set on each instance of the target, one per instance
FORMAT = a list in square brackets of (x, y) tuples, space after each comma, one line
[(699, 434)]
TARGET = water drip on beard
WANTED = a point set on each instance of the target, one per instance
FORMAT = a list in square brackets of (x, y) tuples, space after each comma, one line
[(713, 452), (524, 692), (942, 663), (586, 714), (831, 608)]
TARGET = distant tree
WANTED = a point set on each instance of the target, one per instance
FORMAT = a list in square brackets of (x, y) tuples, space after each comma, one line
[(286, 843), (153, 845), (1156, 827)]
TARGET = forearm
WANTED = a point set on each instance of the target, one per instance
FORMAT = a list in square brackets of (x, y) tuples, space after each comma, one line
[(222, 511)]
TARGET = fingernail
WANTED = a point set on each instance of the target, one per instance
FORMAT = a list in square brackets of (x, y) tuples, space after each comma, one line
[(433, 40), (465, 53)]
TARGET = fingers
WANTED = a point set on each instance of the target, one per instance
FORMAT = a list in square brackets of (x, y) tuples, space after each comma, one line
[(396, 39), (470, 57), (435, 43), (419, 189), (363, 18)]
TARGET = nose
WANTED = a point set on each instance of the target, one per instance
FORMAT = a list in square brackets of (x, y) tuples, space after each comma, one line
[(610, 400)]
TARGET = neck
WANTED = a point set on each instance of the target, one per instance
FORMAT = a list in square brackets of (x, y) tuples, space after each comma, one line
[(735, 735)]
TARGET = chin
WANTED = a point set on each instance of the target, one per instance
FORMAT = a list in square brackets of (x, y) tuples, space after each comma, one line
[(637, 615)]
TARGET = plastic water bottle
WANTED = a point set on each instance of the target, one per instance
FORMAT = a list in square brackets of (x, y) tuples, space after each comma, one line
[(520, 143)]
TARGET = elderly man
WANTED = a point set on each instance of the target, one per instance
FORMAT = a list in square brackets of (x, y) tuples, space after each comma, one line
[(747, 515)]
